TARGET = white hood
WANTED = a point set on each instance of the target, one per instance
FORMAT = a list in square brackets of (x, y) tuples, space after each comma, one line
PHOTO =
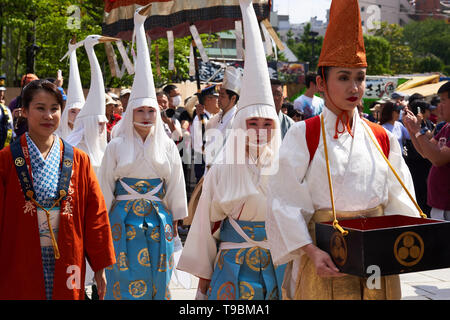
[(75, 95)]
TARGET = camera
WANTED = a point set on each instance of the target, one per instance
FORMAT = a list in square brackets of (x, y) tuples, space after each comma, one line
[(169, 113)]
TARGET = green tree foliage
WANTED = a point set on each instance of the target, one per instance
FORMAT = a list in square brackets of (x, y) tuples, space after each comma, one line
[(377, 55), (429, 37), (303, 48), (402, 59), (49, 24), (429, 63), (45, 23)]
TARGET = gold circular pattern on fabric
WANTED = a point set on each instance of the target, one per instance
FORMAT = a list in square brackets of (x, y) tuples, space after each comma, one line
[(168, 232), (110, 267), (257, 258), (137, 288), (162, 267), (251, 232), (122, 262), (131, 232), (116, 291), (246, 291), (67, 163), (128, 205), (116, 230), (240, 259), (338, 247), (409, 248), (155, 234), (141, 186), (144, 258), (142, 207), (19, 161), (227, 291)]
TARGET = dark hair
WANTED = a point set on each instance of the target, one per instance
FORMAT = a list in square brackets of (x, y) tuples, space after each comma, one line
[(415, 96), (386, 113), (310, 77), (231, 94), (435, 101), (291, 112), (414, 105), (36, 85), (323, 72), (445, 88), (169, 88), (162, 93)]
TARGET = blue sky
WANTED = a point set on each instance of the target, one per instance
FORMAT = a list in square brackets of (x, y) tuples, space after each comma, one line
[(302, 10)]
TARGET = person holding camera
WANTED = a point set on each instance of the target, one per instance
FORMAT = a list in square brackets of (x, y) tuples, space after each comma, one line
[(171, 124)]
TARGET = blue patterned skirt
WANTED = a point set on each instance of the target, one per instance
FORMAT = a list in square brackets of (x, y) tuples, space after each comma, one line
[(245, 273), (143, 243)]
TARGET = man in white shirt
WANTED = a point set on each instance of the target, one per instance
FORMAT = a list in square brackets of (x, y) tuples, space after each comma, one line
[(308, 103), (228, 97), (207, 107)]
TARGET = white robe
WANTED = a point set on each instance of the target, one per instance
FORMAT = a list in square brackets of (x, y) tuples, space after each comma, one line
[(200, 249), (142, 169), (360, 176)]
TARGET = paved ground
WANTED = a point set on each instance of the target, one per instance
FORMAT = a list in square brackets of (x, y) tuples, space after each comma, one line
[(426, 285)]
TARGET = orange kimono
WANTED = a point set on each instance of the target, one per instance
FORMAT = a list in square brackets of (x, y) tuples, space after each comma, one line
[(84, 232)]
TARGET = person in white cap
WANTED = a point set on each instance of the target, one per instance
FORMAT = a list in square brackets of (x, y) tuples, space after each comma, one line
[(89, 132), (226, 246), (221, 122), (75, 96), (143, 183)]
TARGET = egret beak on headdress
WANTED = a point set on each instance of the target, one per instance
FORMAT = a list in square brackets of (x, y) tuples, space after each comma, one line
[(104, 39), (144, 11)]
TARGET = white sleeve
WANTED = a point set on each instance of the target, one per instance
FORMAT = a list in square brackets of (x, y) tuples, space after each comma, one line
[(175, 186), (289, 202), (197, 135), (398, 200), (106, 174), (200, 250)]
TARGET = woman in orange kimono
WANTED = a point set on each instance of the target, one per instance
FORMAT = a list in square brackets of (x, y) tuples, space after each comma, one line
[(52, 211)]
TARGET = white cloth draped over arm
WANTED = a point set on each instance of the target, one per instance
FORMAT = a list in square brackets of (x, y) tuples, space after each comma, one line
[(175, 186), (289, 202), (398, 200), (106, 173), (200, 248)]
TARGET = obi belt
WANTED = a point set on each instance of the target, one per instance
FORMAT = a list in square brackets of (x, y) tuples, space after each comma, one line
[(244, 269), (142, 235)]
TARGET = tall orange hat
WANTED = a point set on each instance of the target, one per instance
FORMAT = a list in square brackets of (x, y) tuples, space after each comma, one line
[(343, 45)]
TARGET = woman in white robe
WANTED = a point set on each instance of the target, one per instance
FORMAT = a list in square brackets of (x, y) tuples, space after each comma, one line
[(363, 183), (226, 245), (142, 180)]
